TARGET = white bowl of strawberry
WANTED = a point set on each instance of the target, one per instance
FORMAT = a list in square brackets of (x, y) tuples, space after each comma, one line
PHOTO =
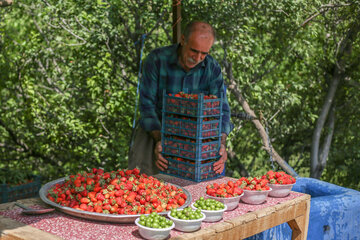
[(280, 183), (256, 190), (228, 193), (280, 190), (255, 197)]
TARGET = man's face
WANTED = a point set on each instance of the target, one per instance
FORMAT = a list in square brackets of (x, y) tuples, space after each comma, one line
[(195, 49)]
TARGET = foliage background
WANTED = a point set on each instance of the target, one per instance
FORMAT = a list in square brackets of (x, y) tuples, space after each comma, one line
[(69, 73)]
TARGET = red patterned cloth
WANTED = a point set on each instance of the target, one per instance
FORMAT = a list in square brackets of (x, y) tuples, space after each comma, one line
[(73, 228)]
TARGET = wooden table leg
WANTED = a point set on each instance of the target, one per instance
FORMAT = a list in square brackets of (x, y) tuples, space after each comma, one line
[(299, 225)]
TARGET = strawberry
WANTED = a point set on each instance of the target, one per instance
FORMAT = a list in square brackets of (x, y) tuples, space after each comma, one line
[(85, 200), (77, 183), (279, 178), (116, 192), (83, 206)]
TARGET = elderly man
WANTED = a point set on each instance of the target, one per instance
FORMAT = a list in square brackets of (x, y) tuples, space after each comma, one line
[(175, 68)]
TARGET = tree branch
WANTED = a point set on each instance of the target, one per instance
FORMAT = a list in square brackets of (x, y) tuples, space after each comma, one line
[(323, 9), (234, 89), (13, 137), (51, 50), (103, 126)]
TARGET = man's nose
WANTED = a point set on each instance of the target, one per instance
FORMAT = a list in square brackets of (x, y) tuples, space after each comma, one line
[(198, 57)]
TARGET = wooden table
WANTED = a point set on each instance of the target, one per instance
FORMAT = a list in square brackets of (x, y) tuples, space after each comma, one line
[(295, 212)]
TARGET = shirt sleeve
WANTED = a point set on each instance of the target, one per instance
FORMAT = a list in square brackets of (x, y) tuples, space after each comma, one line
[(217, 87), (149, 119)]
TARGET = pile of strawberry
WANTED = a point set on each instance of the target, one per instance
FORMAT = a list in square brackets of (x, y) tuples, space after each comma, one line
[(279, 178), (253, 183), (191, 95), (187, 103), (116, 192), (232, 189), (226, 190)]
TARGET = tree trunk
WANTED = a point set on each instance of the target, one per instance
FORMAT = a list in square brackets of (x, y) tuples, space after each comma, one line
[(315, 167), (325, 149), (176, 21), (318, 157)]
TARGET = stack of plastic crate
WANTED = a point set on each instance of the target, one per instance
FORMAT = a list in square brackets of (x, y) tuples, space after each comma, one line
[(191, 136)]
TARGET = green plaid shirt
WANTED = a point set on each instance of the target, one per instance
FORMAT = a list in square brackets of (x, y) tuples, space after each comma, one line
[(161, 70)]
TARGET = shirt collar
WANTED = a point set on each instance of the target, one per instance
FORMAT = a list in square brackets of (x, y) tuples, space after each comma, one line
[(174, 55)]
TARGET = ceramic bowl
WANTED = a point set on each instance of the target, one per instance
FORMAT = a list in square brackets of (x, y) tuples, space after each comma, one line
[(231, 203), (280, 190), (153, 233), (255, 197), (187, 225), (212, 215)]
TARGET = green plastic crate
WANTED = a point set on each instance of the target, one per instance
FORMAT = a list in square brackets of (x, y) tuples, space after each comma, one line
[(13, 193), (197, 171)]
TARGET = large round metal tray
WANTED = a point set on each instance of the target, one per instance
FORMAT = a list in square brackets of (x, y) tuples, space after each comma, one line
[(115, 218)]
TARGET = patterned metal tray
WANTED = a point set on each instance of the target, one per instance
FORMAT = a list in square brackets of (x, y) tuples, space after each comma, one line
[(115, 218)]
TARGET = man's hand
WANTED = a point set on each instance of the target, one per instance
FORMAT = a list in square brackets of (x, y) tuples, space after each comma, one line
[(220, 165), (160, 161)]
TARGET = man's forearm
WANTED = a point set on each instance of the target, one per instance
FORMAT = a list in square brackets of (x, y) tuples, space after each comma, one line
[(223, 139), (156, 135)]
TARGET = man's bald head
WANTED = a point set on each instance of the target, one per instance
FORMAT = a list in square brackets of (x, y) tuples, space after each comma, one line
[(199, 27)]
